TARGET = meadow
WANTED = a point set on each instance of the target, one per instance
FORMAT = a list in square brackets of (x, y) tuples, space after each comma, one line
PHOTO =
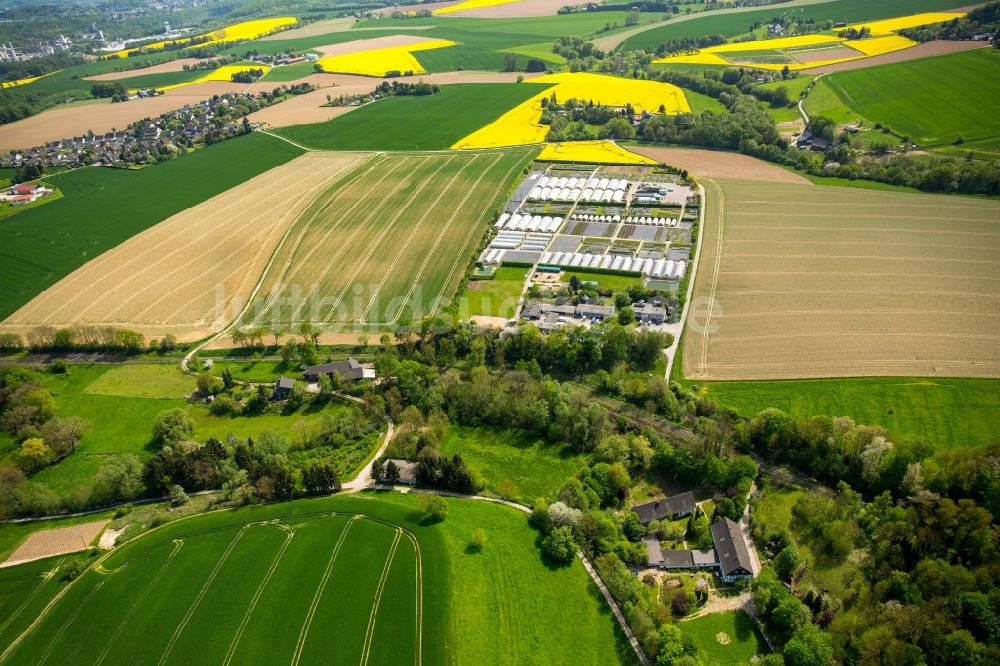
[(741, 643), (732, 24), (100, 209), (902, 286), (120, 402), (389, 243), (933, 100), (266, 581), (498, 296), (514, 464), (431, 122), (942, 412)]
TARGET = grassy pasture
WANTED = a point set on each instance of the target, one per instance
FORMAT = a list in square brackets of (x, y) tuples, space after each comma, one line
[(731, 24), (432, 122), (536, 468), (266, 583), (942, 412), (402, 228), (612, 281), (900, 287), (101, 208), (496, 297), (741, 643), (933, 100), (122, 401)]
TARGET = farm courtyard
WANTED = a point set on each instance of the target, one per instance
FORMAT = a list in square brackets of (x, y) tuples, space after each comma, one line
[(799, 281)]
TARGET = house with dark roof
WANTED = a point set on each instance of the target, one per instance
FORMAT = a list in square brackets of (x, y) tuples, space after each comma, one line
[(349, 371), (735, 561), (283, 388), (671, 507), (407, 471)]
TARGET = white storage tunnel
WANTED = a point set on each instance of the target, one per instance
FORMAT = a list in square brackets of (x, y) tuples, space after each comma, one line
[(668, 268), (497, 259), (679, 269), (606, 261), (564, 193), (546, 257), (587, 194), (577, 258), (618, 196), (596, 196), (598, 259), (658, 267), (607, 196), (543, 181), (603, 183)]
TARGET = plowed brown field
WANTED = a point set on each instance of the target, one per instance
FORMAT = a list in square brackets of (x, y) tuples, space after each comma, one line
[(811, 281), (719, 164), (189, 273), (58, 541)]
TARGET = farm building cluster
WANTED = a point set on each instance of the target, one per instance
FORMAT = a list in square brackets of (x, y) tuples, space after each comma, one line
[(25, 193), (731, 557), (632, 220)]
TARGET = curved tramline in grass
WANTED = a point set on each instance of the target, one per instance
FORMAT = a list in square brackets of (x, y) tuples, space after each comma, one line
[(360, 579)]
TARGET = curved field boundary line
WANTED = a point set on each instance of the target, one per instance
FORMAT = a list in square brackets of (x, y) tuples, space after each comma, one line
[(278, 136), (413, 232), (72, 618), (387, 227), (301, 225), (464, 258), (256, 597), (320, 588), (419, 604), (178, 543), (370, 630), (201, 593), (331, 200), (127, 267)]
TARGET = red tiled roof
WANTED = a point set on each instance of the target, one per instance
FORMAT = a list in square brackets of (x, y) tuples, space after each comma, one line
[(25, 189)]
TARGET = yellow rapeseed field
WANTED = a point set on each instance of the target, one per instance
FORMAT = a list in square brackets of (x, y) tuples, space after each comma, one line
[(377, 62), (21, 82), (471, 4), (880, 45), (224, 73), (230, 33), (521, 124), (591, 152), (888, 26)]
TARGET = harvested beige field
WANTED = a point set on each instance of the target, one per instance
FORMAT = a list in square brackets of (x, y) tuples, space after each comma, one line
[(57, 541), (718, 164), (327, 27), (75, 120), (191, 273), (925, 50), (309, 108), (522, 8), (836, 282), (358, 45), (161, 68)]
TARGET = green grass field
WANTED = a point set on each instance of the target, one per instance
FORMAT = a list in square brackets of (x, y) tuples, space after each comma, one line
[(943, 412), (122, 401), (396, 236), (742, 640), (433, 122), (497, 297), (933, 100), (616, 283), (101, 208), (271, 581), (536, 468), (731, 24)]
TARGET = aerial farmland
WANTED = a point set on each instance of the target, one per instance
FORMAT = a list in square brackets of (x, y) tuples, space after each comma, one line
[(499, 332)]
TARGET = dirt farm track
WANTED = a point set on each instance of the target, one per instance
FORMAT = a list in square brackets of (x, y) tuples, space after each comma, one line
[(811, 281)]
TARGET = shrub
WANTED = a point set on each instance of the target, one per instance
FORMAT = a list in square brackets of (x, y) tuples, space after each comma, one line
[(559, 546), (435, 508), (59, 367), (478, 539)]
